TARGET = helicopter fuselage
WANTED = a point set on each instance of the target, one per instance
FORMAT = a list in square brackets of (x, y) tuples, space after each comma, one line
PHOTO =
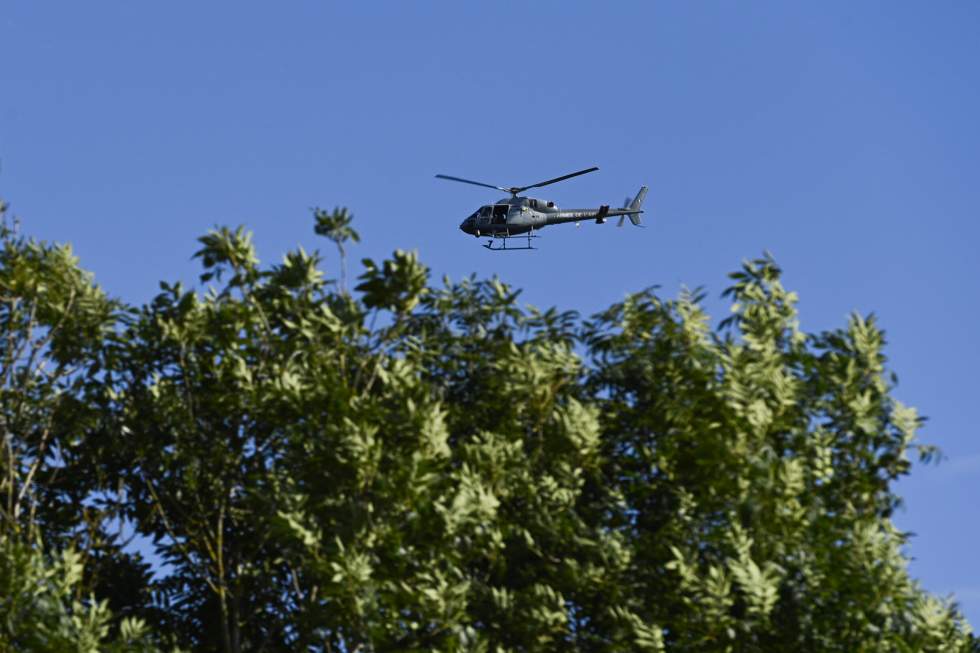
[(512, 216)]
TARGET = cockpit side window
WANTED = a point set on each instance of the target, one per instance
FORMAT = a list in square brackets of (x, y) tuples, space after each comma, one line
[(534, 204)]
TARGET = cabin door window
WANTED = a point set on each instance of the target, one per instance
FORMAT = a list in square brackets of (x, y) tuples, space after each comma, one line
[(500, 213)]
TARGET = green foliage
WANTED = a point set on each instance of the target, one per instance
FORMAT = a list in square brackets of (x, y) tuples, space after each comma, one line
[(336, 227), (53, 321), (474, 475), (53, 325), (396, 286), (42, 611)]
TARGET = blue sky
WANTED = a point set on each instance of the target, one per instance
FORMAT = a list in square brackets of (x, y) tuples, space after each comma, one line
[(842, 137)]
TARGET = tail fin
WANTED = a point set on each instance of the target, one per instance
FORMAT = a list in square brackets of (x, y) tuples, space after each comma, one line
[(634, 206)]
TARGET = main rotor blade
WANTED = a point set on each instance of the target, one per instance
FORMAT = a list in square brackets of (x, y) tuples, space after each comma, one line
[(475, 183), (552, 181)]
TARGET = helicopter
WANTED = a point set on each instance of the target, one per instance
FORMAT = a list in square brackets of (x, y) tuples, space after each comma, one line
[(517, 215)]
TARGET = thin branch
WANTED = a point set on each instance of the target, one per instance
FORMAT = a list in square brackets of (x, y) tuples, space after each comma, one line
[(32, 470), (188, 559)]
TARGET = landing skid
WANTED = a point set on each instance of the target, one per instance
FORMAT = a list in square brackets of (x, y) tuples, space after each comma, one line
[(503, 245)]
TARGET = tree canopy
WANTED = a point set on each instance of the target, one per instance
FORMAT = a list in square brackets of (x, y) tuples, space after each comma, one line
[(273, 462)]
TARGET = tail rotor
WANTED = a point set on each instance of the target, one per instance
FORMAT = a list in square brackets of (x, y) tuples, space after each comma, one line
[(626, 205)]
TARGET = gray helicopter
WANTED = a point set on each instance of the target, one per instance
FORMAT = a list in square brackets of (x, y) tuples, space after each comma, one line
[(516, 216)]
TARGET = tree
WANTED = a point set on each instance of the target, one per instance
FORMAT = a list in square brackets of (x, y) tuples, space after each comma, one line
[(419, 467), (754, 466), (53, 320)]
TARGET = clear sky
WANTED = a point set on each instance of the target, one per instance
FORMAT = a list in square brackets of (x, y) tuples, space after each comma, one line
[(842, 137)]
